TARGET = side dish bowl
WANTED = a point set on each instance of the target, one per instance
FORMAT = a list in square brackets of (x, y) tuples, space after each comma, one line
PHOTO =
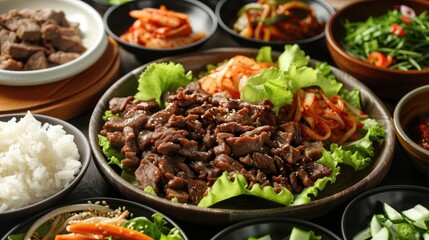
[(349, 184), (84, 151), (360, 210), (412, 107), (201, 18), (226, 12), (94, 39), (275, 227), (385, 82), (137, 210)]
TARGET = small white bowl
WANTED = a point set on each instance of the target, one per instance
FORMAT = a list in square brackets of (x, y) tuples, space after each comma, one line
[(94, 39)]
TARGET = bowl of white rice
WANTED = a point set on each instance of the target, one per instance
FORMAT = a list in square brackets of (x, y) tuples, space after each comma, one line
[(42, 159)]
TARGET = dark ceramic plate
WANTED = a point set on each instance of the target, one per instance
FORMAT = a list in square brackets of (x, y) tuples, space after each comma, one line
[(85, 158), (201, 17), (135, 208), (226, 11), (359, 211), (276, 227), (348, 184)]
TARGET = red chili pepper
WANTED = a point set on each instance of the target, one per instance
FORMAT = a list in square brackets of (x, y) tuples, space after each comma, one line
[(397, 30), (377, 58), (389, 61)]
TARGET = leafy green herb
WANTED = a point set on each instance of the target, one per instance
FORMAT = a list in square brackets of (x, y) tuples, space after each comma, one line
[(157, 228)]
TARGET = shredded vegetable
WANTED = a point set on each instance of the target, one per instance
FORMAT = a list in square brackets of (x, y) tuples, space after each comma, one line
[(397, 39), (98, 221), (160, 28), (270, 20)]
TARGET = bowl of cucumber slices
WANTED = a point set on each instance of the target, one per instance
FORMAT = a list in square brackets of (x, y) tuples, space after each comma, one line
[(388, 212), (271, 228)]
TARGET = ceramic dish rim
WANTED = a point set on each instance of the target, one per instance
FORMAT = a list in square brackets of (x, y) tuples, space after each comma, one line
[(57, 73)]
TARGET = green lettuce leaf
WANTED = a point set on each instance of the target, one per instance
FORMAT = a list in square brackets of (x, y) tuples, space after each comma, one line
[(114, 156), (352, 97), (156, 229), (109, 115), (310, 77), (294, 61), (159, 78), (269, 84), (239, 187), (320, 184), (358, 154), (292, 55), (264, 55)]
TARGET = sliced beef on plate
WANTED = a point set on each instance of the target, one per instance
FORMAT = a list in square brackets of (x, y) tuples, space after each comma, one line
[(21, 50), (36, 61), (61, 57), (8, 63)]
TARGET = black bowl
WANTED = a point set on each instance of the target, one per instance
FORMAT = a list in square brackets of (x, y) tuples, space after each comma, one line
[(276, 227), (348, 185), (226, 11), (137, 209), (202, 19), (359, 211), (85, 158)]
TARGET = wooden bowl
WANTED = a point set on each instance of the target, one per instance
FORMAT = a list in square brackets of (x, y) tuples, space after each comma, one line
[(349, 184), (386, 83), (405, 118)]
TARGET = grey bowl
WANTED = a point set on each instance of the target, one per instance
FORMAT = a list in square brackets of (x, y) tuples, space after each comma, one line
[(276, 227), (201, 17), (137, 209), (359, 211), (85, 158), (226, 12)]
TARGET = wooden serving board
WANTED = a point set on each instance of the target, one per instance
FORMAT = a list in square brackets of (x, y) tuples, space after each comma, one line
[(67, 98)]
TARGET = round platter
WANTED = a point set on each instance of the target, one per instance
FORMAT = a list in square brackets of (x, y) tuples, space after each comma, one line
[(349, 183)]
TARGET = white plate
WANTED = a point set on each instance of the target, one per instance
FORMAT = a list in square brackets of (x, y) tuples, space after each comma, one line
[(94, 39)]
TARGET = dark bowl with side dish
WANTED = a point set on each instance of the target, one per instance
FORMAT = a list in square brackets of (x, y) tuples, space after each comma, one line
[(226, 12), (202, 19)]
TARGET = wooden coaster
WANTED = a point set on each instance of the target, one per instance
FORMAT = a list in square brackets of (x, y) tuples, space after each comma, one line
[(68, 98)]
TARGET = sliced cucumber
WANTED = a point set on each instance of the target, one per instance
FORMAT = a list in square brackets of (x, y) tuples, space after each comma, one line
[(383, 234), (299, 234), (392, 214), (375, 225), (363, 235), (416, 213), (420, 225)]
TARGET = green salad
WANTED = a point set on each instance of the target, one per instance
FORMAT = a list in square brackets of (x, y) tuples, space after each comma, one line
[(396, 40)]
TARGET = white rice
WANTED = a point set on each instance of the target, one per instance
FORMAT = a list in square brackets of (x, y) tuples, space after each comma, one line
[(36, 161)]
